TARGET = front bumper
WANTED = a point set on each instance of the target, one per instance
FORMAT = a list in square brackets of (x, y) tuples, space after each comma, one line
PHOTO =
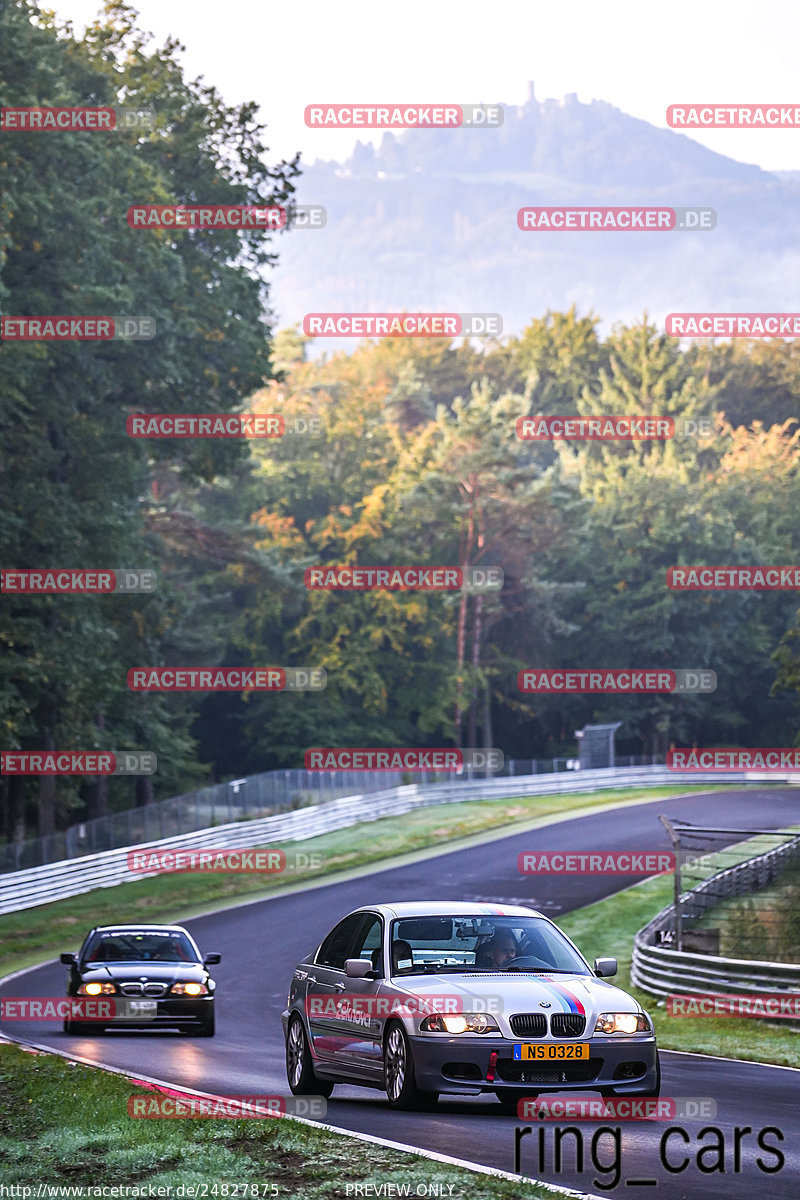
[(459, 1066), (173, 1012)]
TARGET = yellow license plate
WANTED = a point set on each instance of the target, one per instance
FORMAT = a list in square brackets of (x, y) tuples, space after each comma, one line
[(552, 1052)]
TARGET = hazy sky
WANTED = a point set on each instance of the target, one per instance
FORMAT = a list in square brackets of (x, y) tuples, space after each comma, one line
[(635, 54)]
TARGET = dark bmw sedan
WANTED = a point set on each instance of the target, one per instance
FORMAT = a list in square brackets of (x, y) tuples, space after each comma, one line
[(153, 976)]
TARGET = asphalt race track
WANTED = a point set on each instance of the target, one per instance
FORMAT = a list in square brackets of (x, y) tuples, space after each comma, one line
[(261, 942)]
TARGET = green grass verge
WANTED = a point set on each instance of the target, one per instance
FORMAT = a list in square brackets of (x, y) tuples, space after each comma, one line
[(28, 936), (608, 928), (67, 1125)]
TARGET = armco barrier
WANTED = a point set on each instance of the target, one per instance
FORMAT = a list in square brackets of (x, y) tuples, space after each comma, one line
[(71, 877), (260, 795), (662, 971)]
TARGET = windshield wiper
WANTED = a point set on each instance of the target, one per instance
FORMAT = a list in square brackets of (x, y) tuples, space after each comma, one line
[(543, 970), (452, 969)]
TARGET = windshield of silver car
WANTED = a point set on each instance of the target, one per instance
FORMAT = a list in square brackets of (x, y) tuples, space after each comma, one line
[(427, 945)]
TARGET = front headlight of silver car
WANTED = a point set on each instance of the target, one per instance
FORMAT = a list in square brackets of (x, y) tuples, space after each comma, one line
[(622, 1022), (459, 1023)]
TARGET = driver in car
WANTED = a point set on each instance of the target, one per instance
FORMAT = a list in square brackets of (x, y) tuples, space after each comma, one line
[(498, 952)]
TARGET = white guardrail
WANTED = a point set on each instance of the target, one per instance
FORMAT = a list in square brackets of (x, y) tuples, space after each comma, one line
[(72, 877), (663, 971)]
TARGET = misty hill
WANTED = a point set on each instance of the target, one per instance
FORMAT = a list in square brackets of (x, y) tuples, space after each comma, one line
[(427, 221)]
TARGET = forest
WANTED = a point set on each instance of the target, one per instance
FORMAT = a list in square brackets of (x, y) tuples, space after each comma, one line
[(404, 451)]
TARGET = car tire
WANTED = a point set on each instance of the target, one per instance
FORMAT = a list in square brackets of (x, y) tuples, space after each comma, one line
[(299, 1066), (205, 1029), (510, 1100), (398, 1072)]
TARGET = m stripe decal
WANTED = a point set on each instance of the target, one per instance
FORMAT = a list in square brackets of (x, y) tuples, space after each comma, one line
[(569, 1002)]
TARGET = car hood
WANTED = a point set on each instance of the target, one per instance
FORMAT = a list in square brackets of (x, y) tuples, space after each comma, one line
[(154, 972), (517, 993)]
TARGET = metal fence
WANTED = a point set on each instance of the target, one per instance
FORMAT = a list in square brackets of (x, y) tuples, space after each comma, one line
[(237, 800), (663, 969), (221, 803), (40, 885)]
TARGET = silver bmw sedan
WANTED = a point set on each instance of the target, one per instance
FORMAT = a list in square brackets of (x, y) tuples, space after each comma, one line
[(431, 998)]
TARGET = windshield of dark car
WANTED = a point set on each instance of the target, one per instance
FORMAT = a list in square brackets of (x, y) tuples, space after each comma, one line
[(467, 943), (169, 946)]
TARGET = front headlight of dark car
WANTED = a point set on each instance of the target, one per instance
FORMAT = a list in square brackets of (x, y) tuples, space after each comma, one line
[(622, 1022), (189, 989), (97, 989), (459, 1023)]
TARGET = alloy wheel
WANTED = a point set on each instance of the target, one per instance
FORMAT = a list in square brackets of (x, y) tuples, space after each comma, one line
[(296, 1053), (395, 1063)]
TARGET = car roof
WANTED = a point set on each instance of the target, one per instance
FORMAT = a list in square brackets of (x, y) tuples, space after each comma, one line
[(449, 908)]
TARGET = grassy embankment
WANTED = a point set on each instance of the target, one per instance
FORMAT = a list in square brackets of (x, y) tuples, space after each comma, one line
[(67, 1125)]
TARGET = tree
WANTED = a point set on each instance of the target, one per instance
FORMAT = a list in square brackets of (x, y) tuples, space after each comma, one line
[(758, 378), (664, 510), (79, 488), (555, 359), (465, 491)]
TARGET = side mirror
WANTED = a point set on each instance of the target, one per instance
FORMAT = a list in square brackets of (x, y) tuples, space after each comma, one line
[(605, 967), (358, 968), (68, 959), (211, 960)]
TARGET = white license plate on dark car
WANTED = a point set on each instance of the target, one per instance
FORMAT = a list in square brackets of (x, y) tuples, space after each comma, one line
[(143, 1008)]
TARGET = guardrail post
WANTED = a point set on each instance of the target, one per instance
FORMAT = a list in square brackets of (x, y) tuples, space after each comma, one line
[(675, 838)]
